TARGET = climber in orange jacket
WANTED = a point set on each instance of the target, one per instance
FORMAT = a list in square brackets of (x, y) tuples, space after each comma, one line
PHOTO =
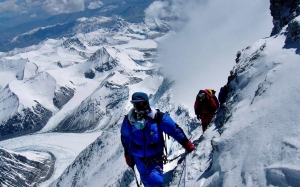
[(205, 106)]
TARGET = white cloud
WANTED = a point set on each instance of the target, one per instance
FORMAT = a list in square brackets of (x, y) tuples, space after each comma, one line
[(157, 9), (165, 9), (202, 54), (95, 4), (63, 6), (9, 6), (50, 6), (19, 7)]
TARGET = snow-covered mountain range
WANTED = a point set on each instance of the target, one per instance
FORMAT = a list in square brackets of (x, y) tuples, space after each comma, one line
[(75, 87), (30, 28), (62, 103)]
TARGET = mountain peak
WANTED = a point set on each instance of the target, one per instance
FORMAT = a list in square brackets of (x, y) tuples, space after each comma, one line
[(101, 55)]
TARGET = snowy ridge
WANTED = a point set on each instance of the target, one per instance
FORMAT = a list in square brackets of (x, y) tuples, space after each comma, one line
[(263, 84), (12, 70), (31, 111)]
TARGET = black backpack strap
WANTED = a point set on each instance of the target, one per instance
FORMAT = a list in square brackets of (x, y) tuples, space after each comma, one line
[(216, 101), (158, 117)]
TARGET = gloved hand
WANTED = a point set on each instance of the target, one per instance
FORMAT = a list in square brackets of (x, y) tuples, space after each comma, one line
[(129, 160), (189, 146)]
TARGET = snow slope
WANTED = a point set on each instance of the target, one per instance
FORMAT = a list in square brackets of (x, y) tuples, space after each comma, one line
[(260, 142)]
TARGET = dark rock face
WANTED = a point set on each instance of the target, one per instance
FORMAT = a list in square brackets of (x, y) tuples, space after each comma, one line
[(62, 96), (84, 118), (90, 113), (25, 122), (90, 74), (17, 170), (109, 65), (283, 11), (293, 31)]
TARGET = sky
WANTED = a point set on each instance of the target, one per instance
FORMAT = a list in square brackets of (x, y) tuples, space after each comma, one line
[(52, 7), (203, 52)]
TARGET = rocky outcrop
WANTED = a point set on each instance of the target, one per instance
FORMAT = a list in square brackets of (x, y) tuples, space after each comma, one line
[(293, 31), (90, 74), (283, 11), (62, 96), (18, 170)]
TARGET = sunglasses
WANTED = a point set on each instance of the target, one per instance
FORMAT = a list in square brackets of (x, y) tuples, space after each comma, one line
[(140, 104)]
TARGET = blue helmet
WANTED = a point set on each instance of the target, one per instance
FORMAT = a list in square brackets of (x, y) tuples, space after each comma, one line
[(139, 97)]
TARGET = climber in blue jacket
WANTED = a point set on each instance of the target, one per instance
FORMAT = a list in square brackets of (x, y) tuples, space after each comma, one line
[(142, 139)]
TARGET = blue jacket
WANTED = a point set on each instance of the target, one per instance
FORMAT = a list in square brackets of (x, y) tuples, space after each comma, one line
[(149, 140)]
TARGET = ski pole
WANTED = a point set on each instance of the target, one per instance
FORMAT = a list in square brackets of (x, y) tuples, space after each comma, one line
[(137, 182)]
